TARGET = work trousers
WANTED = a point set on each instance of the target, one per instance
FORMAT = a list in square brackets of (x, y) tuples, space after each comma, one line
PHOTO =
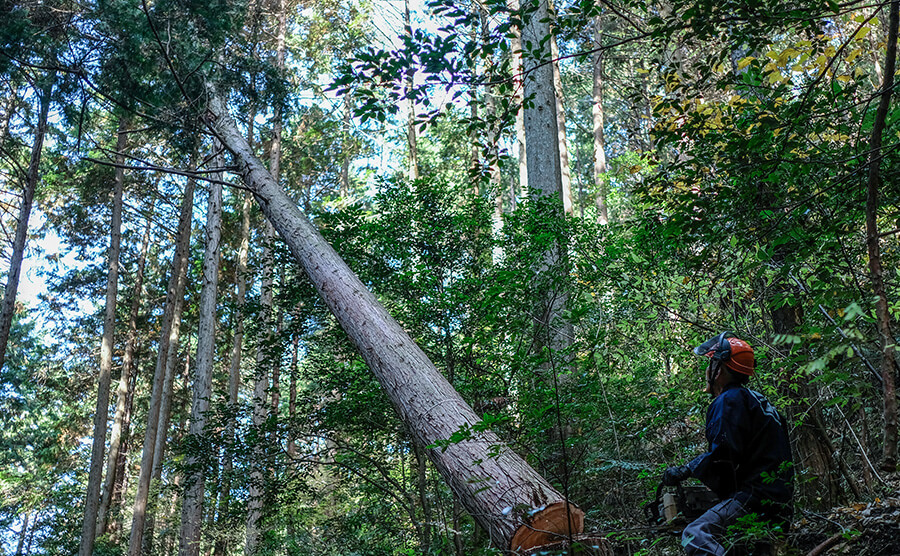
[(706, 534)]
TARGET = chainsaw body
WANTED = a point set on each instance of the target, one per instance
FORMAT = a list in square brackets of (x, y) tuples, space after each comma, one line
[(676, 507)]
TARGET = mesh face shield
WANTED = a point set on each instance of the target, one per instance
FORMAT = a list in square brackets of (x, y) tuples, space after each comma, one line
[(716, 347)]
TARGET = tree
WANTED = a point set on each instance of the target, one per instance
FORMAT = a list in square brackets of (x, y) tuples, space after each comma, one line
[(179, 262), (422, 397), (92, 499), (29, 186), (195, 481)]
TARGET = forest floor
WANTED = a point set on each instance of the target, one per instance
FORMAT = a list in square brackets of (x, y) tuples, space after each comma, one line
[(859, 529), (871, 529)]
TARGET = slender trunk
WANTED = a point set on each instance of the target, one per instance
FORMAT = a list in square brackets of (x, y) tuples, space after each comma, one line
[(23, 535), (564, 171), (501, 491), (263, 358), (493, 147), (101, 415), (409, 83), (192, 508), (882, 314), (518, 78), (8, 309), (292, 397), (424, 502), (234, 370), (121, 484), (123, 390), (260, 390), (600, 169), (179, 259), (165, 402), (345, 149)]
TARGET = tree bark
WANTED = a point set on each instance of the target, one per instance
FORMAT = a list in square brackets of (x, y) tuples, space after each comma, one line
[(552, 338), (882, 315), (234, 370), (600, 169), (101, 415), (409, 83), (518, 78), (123, 391), (498, 488), (23, 534), (263, 360), (260, 395), (565, 175), (192, 508), (8, 309), (179, 259)]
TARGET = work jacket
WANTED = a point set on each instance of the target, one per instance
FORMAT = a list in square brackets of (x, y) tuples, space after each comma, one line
[(749, 450)]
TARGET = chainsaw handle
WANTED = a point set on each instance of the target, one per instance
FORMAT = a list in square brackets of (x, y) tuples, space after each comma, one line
[(651, 510)]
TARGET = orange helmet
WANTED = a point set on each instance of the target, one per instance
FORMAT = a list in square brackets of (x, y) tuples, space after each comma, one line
[(735, 353)]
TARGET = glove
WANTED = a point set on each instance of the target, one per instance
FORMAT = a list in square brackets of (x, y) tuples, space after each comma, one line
[(675, 475)]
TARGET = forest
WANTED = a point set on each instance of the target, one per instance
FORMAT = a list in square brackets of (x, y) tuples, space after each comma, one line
[(384, 277)]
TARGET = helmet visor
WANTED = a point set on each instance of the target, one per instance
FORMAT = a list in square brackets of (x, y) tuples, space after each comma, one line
[(715, 345)]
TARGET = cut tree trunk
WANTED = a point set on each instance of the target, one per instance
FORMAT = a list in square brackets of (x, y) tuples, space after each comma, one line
[(498, 488), (192, 508), (107, 341)]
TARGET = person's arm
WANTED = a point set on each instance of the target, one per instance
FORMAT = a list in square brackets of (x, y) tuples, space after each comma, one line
[(715, 468)]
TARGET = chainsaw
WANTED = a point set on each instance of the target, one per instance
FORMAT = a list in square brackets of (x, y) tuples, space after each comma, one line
[(673, 510)]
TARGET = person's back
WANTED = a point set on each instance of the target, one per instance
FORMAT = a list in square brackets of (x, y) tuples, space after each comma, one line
[(748, 464)]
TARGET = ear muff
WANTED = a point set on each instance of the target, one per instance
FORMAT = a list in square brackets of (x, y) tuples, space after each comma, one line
[(723, 350)]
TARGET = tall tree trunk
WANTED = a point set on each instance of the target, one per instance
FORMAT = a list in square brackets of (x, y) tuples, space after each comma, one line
[(165, 403), (600, 169), (345, 148), (260, 394), (101, 415), (565, 174), (518, 78), (123, 391), (23, 535), (192, 508), (179, 260), (264, 359), (234, 370), (409, 83), (882, 316), (492, 145), (498, 488), (8, 309), (292, 396), (121, 484), (553, 335)]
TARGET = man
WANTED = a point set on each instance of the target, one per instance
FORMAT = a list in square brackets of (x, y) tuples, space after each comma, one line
[(748, 464)]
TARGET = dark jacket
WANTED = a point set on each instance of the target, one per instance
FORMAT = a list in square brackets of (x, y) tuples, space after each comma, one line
[(749, 450)]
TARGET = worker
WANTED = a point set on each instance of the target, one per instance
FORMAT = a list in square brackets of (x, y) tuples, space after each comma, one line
[(748, 464)]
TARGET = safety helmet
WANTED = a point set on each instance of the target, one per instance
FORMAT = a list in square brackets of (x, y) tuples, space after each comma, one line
[(735, 353)]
